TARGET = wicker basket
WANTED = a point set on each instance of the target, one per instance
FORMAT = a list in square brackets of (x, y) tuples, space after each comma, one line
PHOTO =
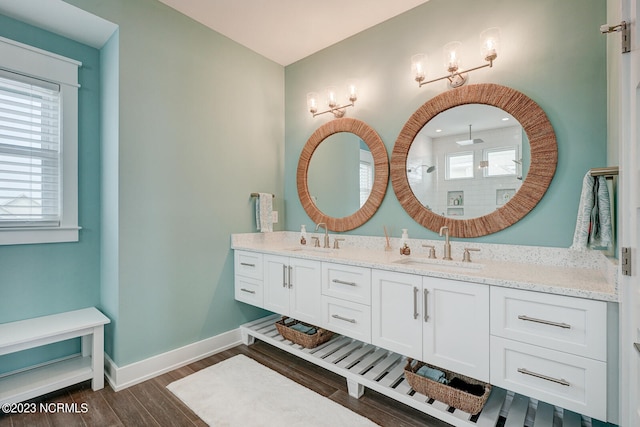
[(305, 340), (451, 396)]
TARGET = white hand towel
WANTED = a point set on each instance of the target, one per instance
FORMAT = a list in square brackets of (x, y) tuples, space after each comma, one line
[(593, 224), (264, 212)]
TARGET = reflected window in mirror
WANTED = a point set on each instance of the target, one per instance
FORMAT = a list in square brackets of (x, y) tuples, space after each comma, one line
[(366, 173), (500, 162), (459, 165)]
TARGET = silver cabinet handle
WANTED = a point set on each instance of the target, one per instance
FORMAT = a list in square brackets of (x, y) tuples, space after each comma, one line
[(247, 290), (426, 315), (342, 282), (284, 276), (544, 377), (335, 316), (544, 322), (246, 264), (290, 282), (415, 303)]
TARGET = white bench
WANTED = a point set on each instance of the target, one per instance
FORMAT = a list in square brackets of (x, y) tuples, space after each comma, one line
[(87, 323)]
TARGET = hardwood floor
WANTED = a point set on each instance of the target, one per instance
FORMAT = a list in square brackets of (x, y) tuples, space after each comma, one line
[(151, 404)]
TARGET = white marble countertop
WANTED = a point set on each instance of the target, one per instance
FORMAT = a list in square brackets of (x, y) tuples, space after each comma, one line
[(584, 274)]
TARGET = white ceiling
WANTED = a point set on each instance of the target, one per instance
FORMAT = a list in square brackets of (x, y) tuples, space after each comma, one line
[(288, 30)]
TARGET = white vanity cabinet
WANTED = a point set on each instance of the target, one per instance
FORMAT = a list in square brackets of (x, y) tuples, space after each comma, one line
[(292, 287), (248, 280), (550, 347), (442, 322)]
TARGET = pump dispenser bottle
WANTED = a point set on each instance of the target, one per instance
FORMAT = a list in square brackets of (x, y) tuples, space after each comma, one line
[(303, 234), (404, 243)]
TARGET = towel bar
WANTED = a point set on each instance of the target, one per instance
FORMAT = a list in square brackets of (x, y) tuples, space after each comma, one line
[(607, 172), (258, 194)]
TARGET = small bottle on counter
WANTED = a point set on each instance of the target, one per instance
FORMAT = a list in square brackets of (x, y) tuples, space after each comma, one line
[(303, 234), (404, 243)]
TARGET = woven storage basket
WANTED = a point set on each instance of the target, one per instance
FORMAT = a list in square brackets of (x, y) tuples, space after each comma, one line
[(305, 340), (451, 396)]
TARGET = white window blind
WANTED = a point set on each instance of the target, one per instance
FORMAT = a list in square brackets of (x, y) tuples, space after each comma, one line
[(30, 151), (366, 181)]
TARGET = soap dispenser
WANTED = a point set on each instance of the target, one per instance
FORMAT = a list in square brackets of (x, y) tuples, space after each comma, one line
[(303, 234), (404, 243)]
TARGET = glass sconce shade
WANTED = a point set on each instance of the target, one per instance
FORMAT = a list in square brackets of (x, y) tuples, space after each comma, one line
[(418, 66), (352, 90), (490, 39), (332, 96), (452, 56), (312, 102)]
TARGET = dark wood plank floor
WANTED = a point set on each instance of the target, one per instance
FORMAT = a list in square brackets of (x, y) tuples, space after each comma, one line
[(151, 404)]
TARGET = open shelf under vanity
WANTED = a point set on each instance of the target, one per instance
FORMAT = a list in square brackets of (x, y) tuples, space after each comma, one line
[(367, 366)]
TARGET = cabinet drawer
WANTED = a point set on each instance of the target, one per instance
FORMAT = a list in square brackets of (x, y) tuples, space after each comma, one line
[(572, 382), (248, 264), (249, 290), (347, 282), (572, 325), (347, 318)]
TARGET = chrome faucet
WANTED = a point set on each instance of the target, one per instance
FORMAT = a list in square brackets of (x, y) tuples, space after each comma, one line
[(447, 245), (326, 233)]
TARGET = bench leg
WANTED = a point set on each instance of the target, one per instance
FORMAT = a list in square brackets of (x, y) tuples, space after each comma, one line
[(97, 358), (246, 338), (355, 389)]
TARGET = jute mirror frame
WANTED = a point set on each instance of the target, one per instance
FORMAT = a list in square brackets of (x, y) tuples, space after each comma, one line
[(380, 179), (544, 158)]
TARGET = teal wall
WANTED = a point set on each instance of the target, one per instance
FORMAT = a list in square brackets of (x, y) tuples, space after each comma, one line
[(551, 51), (199, 127), (37, 280)]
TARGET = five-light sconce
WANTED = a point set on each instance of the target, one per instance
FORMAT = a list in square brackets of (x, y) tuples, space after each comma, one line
[(490, 40), (332, 100)]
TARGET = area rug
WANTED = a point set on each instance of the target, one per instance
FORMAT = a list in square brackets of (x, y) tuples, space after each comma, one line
[(241, 392)]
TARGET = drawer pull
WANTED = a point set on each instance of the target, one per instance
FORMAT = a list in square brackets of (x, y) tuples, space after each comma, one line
[(247, 291), (342, 282), (415, 303), (336, 316), (246, 264), (545, 322), (544, 377)]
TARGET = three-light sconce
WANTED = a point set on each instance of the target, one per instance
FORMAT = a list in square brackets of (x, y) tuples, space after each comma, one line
[(332, 95), (490, 40)]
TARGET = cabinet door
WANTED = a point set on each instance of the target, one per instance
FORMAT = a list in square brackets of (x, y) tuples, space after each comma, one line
[(396, 312), (305, 290), (456, 326), (276, 284)]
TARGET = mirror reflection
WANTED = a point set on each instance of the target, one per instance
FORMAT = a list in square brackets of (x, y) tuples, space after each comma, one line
[(468, 161), (340, 174)]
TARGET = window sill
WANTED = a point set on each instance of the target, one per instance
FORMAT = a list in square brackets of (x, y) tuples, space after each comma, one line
[(25, 236)]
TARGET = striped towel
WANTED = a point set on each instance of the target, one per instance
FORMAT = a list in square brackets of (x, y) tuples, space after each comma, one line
[(264, 212), (593, 224)]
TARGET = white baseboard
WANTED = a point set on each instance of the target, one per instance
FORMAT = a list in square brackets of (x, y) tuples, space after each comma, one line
[(120, 378)]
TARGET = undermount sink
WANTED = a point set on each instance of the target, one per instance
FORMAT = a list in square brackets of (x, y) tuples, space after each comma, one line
[(430, 262), (310, 249)]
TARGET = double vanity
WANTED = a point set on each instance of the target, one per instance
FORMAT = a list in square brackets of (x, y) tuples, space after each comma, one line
[(539, 322)]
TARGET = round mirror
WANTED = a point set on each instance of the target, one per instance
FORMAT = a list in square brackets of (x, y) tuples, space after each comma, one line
[(342, 174), (473, 176)]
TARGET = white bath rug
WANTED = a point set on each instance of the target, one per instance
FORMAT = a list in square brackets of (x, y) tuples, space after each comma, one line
[(241, 392)]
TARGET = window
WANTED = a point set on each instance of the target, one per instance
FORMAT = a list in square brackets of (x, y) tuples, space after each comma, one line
[(38, 146), (366, 175), (501, 161), (459, 165)]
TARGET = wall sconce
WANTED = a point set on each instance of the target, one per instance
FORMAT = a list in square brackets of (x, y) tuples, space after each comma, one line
[(332, 100), (490, 39)]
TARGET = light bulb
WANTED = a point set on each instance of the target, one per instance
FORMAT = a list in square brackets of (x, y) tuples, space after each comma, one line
[(352, 90), (332, 97), (452, 56), (312, 102), (490, 39), (418, 66)]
